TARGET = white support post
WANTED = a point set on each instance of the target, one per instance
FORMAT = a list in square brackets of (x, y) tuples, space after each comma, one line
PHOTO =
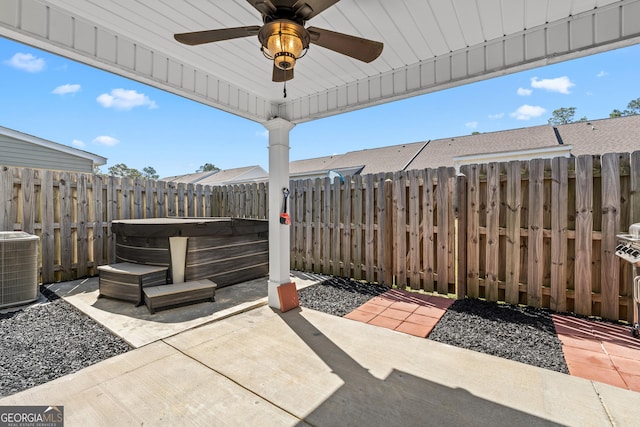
[(279, 246)]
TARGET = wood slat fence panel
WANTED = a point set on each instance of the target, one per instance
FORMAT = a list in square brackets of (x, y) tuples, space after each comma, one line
[(540, 232)]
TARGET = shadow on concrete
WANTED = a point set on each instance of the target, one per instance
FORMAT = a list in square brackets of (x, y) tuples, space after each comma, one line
[(400, 398), (85, 292)]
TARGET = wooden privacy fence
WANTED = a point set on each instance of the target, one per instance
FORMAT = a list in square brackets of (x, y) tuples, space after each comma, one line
[(387, 228), (539, 232), (72, 212)]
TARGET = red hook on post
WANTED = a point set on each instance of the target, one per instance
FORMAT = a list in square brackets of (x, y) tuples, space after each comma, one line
[(284, 216)]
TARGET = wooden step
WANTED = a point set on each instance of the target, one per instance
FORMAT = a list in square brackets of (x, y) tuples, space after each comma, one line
[(179, 293), (126, 280)]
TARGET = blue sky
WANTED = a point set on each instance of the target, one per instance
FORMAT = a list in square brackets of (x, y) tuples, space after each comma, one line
[(54, 98)]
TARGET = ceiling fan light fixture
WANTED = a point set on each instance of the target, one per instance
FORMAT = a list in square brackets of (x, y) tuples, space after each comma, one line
[(284, 42)]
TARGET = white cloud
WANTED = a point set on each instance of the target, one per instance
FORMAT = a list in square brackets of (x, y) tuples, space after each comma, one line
[(496, 116), (263, 134), (559, 84), (109, 141), (65, 89), (524, 92), (26, 62), (78, 143), (471, 125), (122, 99), (527, 112), (602, 74)]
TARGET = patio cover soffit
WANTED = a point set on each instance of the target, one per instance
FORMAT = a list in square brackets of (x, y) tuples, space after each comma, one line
[(429, 45)]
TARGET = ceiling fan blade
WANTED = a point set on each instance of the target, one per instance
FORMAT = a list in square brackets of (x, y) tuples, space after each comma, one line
[(307, 9), (281, 75), (265, 7), (358, 48), (208, 36)]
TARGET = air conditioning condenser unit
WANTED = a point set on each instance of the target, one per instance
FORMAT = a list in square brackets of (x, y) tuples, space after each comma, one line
[(19, 278)]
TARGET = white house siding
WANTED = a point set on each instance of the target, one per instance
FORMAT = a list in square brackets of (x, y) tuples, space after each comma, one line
[(14, 152)]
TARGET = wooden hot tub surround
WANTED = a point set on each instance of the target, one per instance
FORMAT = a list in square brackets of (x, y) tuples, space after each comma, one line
[(224, 250)]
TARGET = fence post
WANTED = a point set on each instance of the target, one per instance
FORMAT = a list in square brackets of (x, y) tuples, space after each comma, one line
[(461, 236), (388, 232)]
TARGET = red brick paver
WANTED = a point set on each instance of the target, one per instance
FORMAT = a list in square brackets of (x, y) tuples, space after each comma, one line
[(600, 351), (594, 350), (402, 311)]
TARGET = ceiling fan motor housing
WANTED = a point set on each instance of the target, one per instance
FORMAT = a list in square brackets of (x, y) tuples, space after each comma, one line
[(283, 41)]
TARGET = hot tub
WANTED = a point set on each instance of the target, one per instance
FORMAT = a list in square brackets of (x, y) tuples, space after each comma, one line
[(225, 250)]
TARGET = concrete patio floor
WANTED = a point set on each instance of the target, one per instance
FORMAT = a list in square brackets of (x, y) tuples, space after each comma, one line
[(247, 364), (138, 327)]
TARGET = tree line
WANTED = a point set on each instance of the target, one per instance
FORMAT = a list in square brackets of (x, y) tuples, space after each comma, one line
[(565, 115), (148, 172)]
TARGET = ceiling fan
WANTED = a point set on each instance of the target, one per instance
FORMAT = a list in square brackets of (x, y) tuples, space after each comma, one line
[(283, 37)]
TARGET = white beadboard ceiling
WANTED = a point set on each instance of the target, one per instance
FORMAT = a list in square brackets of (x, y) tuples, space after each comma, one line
[(429, 45)]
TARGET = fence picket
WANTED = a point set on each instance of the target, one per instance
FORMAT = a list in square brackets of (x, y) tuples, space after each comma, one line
[(65, 209), (47, 240), (400, 229), (336, 233), (472, 172), (138, 203), (461, 239), (27, 188), (98, 222), (442, 212), (493, 232), (414, 230), (513, 207), (610, 226), (559, 195), (369, 229), (326, 224), (428, 234), (356, 241), (535, 241), (346, 228), (307, 239), (82, 230), (584, 228), (6, 197), (317, 225), (126, 185)]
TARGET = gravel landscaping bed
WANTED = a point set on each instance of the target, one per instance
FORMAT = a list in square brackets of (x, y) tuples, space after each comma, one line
[(338, 296), (523, 334), (45, 341)]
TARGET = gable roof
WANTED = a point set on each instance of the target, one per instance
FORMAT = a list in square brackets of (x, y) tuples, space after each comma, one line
[(620, 134), (223, 177), (441, 152), (368, 161), (615, 135)]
